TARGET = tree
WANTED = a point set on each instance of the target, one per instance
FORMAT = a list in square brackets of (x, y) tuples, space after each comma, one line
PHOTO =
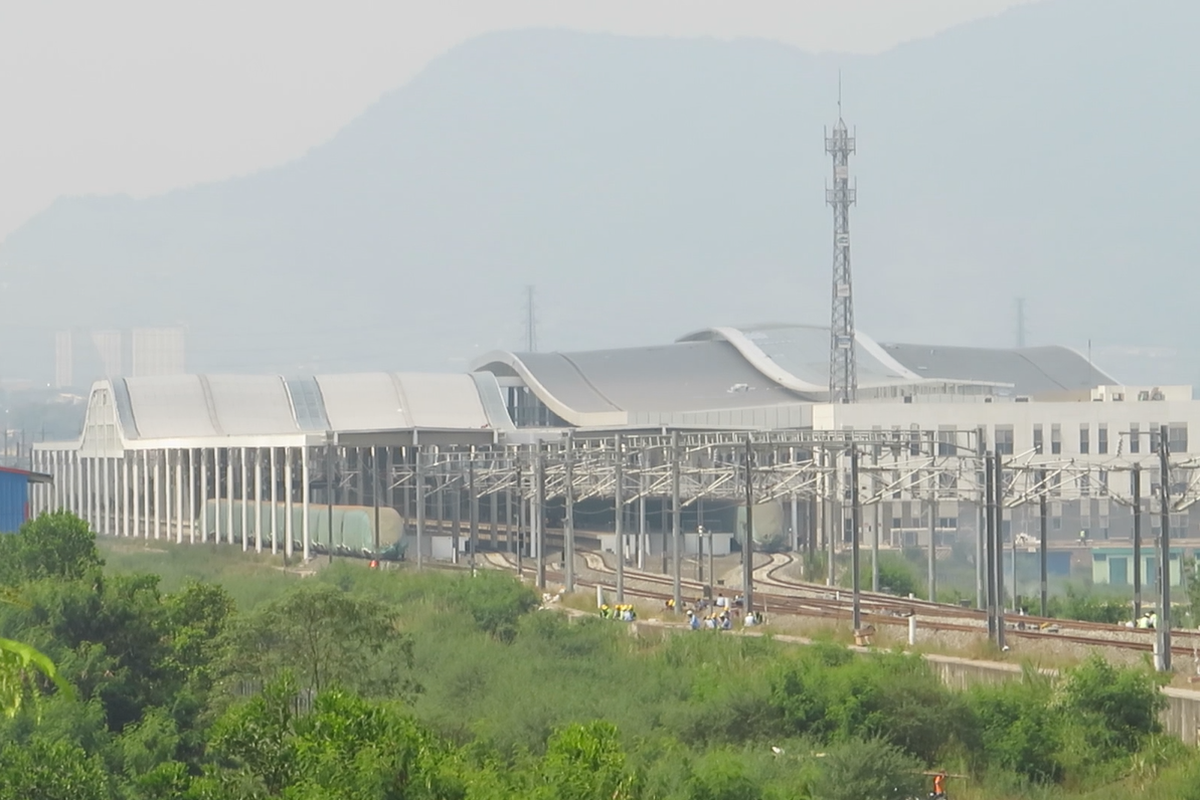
[(327, 637), (51, 771), (55, 545)]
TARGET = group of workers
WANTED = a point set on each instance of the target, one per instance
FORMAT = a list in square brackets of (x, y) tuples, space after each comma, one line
[(622, 611), (1148, 619)]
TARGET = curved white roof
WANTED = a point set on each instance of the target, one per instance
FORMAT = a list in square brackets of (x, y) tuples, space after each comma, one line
[(216, 406), (768, 365)]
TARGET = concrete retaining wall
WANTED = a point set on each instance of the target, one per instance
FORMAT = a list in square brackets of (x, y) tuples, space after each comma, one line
[(1181, 717)]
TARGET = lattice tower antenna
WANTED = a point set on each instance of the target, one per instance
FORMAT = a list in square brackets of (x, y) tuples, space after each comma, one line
[(843, 368), (530, 322)]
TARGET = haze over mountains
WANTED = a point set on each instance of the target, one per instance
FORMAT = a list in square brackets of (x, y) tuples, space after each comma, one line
[(649, 187)]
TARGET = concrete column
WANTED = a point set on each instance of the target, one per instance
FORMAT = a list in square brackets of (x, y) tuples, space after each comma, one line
[(126, 497), (157, 492), (304, 501), (145, 507), (178, 459), (245, 511), (136, 488), (108, 495), (202, 455), (419, 488), (258, 499), (274, 504), (191, 496), (229, 495), (288, 493)]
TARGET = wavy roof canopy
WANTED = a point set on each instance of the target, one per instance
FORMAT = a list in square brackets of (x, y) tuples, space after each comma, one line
[(207, 406), (767, 365), (601, 387)]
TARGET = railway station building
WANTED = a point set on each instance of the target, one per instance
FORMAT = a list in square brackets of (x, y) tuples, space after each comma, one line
[(302, 464)]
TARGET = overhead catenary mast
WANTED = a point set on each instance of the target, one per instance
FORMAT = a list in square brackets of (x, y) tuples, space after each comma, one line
[(843, 369)]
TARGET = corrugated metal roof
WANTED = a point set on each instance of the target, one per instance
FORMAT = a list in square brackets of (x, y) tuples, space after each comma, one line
[(251, 404), (442, 401), (678, 377), (362, 402), (1031, 370), (564, 381), (170, 407)]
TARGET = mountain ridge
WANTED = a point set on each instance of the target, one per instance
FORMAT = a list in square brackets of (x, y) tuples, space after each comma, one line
[(652, 186)]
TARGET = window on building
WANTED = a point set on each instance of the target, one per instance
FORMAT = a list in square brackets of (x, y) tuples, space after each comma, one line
[(914, 440), (1004, 440), (948, 523), (1056, 438), (1102, 439), (1037, 438), (1177, 437), (1085, 484), (1135, 438), (1154, 437), (1084, 437), (946, 442), (1056, 524), (897, 523)]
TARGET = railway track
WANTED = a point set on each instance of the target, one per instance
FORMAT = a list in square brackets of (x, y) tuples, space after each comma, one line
[(817, 600)]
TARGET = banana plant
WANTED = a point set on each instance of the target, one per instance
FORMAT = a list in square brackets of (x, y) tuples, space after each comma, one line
[(17, 660)]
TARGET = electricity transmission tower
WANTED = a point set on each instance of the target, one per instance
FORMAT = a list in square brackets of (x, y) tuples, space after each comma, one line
[(843, 369)]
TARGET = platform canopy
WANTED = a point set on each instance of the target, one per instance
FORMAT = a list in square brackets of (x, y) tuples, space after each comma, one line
[(382, 408)]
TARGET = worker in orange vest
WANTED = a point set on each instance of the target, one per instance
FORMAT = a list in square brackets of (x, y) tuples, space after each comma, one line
[(939, 786)]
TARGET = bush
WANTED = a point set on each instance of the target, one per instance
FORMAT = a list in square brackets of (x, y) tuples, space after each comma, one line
[(867, 770)]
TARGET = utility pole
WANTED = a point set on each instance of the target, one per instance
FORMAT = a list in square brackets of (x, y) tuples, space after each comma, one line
[(1164, 552), (473, 509), (843, 369), (676, 525), (619, 519), (989, 539), (998, 546), (748, 539), (855, 524), (1042, 539), (1136, 481), (569, 523)]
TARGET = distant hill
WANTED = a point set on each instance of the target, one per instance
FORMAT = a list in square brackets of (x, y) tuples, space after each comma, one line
[(652, 186)]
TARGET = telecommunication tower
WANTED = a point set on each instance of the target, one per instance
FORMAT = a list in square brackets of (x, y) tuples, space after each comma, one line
[(843, 369), (530, 322)]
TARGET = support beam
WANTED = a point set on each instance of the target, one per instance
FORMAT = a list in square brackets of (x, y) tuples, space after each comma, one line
[(933, 516), (375, 492), (998, 545)]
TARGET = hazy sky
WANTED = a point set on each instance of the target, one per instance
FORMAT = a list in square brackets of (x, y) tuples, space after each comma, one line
[(141, 96)]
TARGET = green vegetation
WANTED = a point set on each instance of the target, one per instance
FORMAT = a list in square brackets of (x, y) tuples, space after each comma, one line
[(363, 684)]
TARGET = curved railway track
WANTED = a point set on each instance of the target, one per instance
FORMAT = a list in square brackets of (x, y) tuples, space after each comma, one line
[(817, 600)]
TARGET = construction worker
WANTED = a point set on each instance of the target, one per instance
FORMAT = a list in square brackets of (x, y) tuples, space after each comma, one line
[(939, 786)]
